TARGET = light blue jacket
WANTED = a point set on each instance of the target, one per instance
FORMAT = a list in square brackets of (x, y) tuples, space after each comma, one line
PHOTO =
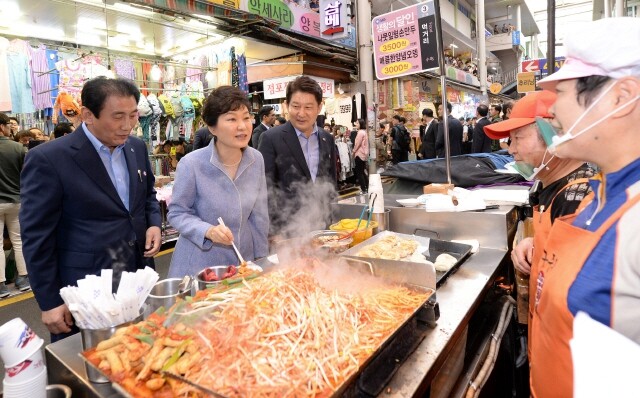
[(202, 192)]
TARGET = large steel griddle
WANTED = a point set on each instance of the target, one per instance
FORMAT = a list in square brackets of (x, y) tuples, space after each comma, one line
[(371, 377)]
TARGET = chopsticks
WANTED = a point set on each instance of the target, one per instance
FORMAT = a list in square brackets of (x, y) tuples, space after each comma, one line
[(233, 244)]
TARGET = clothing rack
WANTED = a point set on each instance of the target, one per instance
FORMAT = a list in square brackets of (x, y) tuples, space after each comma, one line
[(138, 59)]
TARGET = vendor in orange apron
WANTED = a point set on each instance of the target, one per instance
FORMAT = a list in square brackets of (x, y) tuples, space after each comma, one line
[(542, 224), (551, 326)]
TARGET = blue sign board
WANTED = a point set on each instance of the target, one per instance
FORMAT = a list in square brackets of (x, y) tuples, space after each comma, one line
[(543, 67), (515, 38)]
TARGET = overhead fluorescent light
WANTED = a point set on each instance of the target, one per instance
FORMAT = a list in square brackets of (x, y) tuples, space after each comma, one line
[(10, 9)]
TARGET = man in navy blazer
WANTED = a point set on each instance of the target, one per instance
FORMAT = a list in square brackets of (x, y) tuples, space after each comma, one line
[(455, 134), (88, 201), (481, 142), (300, 162)]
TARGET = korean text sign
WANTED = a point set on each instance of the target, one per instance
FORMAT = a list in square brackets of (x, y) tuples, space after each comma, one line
[(405, 41)]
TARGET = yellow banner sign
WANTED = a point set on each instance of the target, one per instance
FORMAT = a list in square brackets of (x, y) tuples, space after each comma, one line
[(526, 82), (227, 3)]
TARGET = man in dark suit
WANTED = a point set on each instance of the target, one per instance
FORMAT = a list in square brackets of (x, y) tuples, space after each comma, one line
[(481, 143), (455, 134), (267, 117), (428, 135), (300, 162), (202, 138), (88, 201)]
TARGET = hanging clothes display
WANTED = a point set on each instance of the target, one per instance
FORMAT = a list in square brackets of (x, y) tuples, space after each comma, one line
[(124, 68), (224, 69), (204, 61), (242, 73), (170, 75), (41, 84), (20, 83), (73, 73), (234, 67), (54, 78), (5, 95)]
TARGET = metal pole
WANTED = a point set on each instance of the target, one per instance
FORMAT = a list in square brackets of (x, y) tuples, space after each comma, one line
[(365, 67), (443, 87), (620, 8), (551, 36), (482, 52)]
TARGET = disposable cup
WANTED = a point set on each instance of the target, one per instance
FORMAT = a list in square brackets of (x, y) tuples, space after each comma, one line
[(27, 369), (33, 388), (17, 342)]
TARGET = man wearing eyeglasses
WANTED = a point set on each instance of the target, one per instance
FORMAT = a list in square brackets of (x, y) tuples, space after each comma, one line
[(14, 126)]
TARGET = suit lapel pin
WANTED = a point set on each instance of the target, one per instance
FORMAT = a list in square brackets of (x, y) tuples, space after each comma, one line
[(144, 173), (132, 150), (324, 139)]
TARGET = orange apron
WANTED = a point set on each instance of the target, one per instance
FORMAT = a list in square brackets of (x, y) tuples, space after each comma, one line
[(551, 326), (542, 227)]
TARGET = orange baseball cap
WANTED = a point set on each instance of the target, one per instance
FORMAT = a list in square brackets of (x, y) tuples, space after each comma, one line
[(524, 112)]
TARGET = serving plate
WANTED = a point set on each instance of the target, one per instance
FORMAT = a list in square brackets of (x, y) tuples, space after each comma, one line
[(409, 202)]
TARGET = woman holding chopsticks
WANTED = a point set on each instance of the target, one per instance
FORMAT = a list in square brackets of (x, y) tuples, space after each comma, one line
[(225, 179)]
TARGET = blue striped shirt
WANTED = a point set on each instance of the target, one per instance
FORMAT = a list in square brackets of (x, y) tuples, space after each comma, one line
[(115, 163)]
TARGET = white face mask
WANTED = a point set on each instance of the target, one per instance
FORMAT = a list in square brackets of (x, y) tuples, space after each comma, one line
[(569, 135), (527, 170)]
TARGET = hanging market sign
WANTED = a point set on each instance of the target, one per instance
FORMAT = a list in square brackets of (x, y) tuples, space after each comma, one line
[(272, 9), (405, 41), (277, 88), (334, 19), (303, 18)]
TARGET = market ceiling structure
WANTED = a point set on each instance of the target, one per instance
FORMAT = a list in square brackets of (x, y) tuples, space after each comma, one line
[(132, 27), (122, 27)]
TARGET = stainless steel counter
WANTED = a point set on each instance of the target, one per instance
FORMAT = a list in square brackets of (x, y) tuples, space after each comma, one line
[(458, 298)]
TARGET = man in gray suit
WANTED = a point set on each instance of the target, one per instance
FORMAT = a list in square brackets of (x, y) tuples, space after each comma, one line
[(299, 159)]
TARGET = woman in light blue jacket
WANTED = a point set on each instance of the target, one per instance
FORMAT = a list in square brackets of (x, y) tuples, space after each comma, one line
[(225, 179)]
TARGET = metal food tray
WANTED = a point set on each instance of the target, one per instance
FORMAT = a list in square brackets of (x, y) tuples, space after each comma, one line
[(376, 371), (437, 247), (411, 272)]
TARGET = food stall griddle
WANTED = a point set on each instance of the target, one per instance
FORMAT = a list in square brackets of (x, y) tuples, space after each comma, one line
[(369, 380)]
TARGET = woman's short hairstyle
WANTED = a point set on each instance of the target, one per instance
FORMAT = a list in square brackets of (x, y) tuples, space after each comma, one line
[(222, 100)]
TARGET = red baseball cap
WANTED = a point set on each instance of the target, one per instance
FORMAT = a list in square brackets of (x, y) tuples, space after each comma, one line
[(524, 112)]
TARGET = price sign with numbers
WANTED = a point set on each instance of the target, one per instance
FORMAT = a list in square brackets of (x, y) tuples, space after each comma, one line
[(404, 41)]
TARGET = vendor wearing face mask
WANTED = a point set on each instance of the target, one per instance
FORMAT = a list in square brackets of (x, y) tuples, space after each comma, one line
[(562, 182), (592, 263)]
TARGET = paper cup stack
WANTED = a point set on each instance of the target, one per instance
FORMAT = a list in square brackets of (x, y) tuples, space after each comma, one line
[(25, 370)]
